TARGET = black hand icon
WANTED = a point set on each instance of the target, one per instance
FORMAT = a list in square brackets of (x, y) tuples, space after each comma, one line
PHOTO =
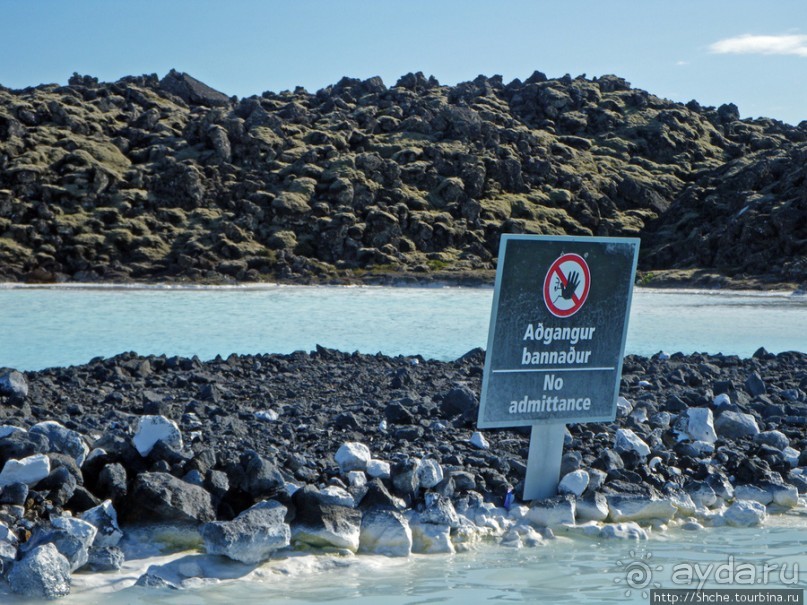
[(571, 285)]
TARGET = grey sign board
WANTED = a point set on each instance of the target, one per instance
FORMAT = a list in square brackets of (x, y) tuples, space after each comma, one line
[(557, 330)]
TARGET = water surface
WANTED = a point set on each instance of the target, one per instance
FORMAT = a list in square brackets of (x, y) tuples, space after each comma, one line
[(44, 327)]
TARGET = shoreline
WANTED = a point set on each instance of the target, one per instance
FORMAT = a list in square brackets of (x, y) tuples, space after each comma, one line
[(290, 567), (264, 286), (386, 459), (673, 279)]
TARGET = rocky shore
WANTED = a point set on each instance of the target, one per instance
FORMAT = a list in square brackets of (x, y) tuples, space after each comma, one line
[(166, 179), (260, 455)]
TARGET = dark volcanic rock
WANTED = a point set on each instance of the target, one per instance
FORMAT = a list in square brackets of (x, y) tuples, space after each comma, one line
[(13, 383), (162, 497), (755, 385), (41, 573), (318, 524), (149, 178), (191, 90), (460, 400), (21, 444), (236, 458)]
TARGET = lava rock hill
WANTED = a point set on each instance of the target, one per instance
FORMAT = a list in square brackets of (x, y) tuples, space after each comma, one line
[(149, 179)]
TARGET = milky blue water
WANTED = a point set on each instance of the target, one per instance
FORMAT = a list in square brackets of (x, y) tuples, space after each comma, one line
[(44, 327)]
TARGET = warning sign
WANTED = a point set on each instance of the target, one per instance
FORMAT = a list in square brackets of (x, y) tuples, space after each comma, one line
[(557, 331), (566, 285)]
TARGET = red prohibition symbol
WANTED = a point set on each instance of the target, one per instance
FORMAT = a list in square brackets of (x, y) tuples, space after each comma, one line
[(566, 285)]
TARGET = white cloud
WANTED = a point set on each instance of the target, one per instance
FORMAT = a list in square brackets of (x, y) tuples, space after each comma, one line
[(681, 63), (747, 44)]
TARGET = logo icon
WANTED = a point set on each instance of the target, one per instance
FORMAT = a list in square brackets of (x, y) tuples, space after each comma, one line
[(638, 573), (566, 285)]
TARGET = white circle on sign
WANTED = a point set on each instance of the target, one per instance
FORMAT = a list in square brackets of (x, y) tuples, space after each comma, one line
[(566, 285)]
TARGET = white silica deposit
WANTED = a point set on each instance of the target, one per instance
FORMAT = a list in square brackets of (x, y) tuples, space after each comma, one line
[(487, 572)]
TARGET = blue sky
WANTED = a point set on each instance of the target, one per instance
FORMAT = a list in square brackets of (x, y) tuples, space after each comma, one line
[(715, 51)]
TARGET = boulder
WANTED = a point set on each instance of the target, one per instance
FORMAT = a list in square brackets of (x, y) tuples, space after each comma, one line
[(262, 479), (151, 429), (785, 495), (608, 461), (487, 515), (162, 497), (8, 554), (775, 439), (60, 485), (521, 536), (105, 519), (352, 456), (377, 495), (684, 504), (13, 383), (72, 538), (623, 407), (752, 492), (324, 525), (721, 485), (357, 479), (628, 441), (745, 513), (736, 425), (30, 470), (63, 440), (791, 456), (430, 473), (405, 478), (428, 538), (798, 478), (754, 385), (150, 580), (591, 507), (6, 534), (439, 510), (552, 512), (14, 494), (252, 536), (700, 425), (105, 558), (338, 496), (7, 429), (571, 461), (191, 90), (385, 532), (378, 469), (639, 508), (478, 441), (702, 494), (43, 573), (112, 482), (574, 483), (460, 400), (8, 548)]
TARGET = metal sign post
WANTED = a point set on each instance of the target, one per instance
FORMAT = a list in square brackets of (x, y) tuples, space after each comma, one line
[(556, 341), (543, 461)]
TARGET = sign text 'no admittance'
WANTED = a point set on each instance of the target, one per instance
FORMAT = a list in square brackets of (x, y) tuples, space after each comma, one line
[(558, 327)]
